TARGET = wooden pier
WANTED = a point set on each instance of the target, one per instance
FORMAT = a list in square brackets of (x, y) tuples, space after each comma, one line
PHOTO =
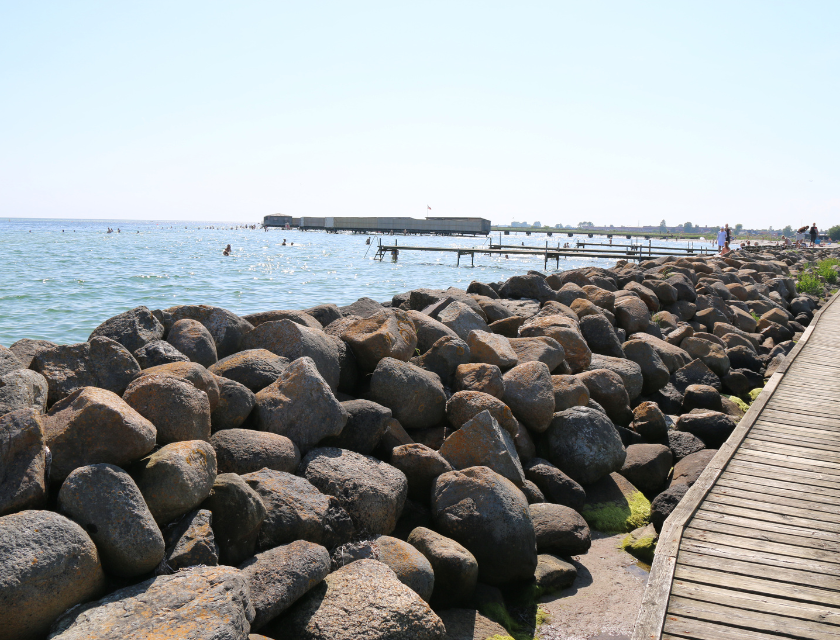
[(752, 552)]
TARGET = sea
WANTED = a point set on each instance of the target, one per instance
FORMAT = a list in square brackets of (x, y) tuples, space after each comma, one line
[(59, 279)]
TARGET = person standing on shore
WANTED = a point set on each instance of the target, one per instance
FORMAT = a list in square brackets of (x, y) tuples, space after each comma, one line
[(813, 232), (728, 234), (721, 240)]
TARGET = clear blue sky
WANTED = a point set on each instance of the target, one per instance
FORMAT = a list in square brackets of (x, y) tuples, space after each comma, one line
[(610, 112)]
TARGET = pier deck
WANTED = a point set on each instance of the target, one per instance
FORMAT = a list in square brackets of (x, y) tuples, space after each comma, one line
[(752, 552)]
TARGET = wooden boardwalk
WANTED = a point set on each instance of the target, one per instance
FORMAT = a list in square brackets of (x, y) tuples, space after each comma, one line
[(753, 550)]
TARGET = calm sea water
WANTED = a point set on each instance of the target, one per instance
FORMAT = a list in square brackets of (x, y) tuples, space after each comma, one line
[(59, 279)]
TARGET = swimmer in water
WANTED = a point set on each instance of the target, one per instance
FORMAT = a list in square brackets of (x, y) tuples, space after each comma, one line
[(284, 243), (226, 252)]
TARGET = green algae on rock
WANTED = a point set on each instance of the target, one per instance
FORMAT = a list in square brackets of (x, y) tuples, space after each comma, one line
[(615, 505)]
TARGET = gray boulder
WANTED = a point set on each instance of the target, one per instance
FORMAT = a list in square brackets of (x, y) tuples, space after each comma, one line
[(455, 568), (631, 314), (191, 542), (23, 389), (600, 336), (607, 389), (488, 515), (672, 357), (584, 444), (132, 329), (539, 349), (243, 451), (630, 372), (227, 329), (491, 348), (382, 335), (665, 503), (25, 350), (712, 427), (157, 352), (9, 361), (415, 396), (365, 426), (701, 396), (444, 357), (654, 372), (688, 470), (428, 330), (167, 607), (485, 378), (178, 410), (190, 372), (104, 500), (238, 512), (530, 394), (649, 422), (555, 485), (300, 406), (191, 338), (647, 466), (559, 529), (254, 368), (23, 482), (421, 466), (554, 573), (236, 401), (461, 319), (569, 392), (682, 444), (695, 372), (713, 355), (465, 405)]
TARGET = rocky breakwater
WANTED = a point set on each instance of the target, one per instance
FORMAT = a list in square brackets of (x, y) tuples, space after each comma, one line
[(380, 470)]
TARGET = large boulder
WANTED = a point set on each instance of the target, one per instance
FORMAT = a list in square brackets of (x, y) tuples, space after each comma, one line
[(191, 372), (293, 341), (672, 357), (243, 451), (532, 286), (654, 372), (296, 510), (178, 410), (411, 566), (94, 425), (444, 357), (607, 389), (566, 333), (236, 401), (459, 317), (481, 442), (157, 352), (104, 500), (600, 336), (631, 314), (530, 394), (455, 568), (559, 529), (227, 329), (177, 478), (486, 378), (9, 361), (465, 405), (701, 396), (649, 422), (712, 427), (363, 599), (238, 511), (191, 338), (665, 503), (491, 348), (372, 492), (647, 466), (383, 335), (301, 406), (695, 372), (688, 470), (23, 389), (132, 329), (23, 460), (555, 485), (539, 349), (713, 355), (279, 577), (613, 504), (49, 565), (683, 444), (25, 351), (190, 542), (630, 372), (202, 603), (488, 515), (414, 395), (365, 426), (569, 392), (584, 444), (301, 317), (254, 368), (421, 466), (428, 330)]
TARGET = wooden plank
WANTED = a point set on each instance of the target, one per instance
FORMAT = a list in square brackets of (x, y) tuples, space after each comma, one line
[(797, 434), (800, 502), (760, 468), (756, 602), (808, 420), (814, 454), (685, 607), (828, 502), (818, 573), (803, 422), (827, 529), (793, 404), (760, 531), (793, 484), (825, 520), (753, 543), (787, 462), (693, 629)]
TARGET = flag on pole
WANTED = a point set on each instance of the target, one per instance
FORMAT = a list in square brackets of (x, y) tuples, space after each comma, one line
[(428, 207)]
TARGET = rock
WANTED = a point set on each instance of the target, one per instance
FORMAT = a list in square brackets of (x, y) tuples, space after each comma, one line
[(741, 357), (300, 406), (607, 389), (566, 333), (559, 529), (254, 368), (668, 399), (613, 504), (177, 478), (630, 372), (701, 396), (227, 329), (569, 392), (647, 466), (191, 542), (236, 401), (683, 444), (49, 565), (238, 511), (491, 348), (684, 287), (553, 573), (600, 336), (23, 460), (383, 335), (365, 426), (191, 372), (631, 314), (132, 329), (555, 485), (469, 624), (25, 351), (695, 372), (465, 405), (158, 352), (584, 444), (94, 425), (577, 276), (393, 437), (300, 317), (372, 492), (204, 603), (530, 286), (176, 408), (279, 577), (461, 319), (444, 357), (363, 307), (324, 313), (488, 515), (296, 510), (421, 466), (712, 427), (243, 451), (455, 568), (540, 349), (688, 470), (530, 394), (428, 330), (509, 327), (532, 492), (672, 357), (665, 503), (482, 442), (730, 408), (9, 361), (191, 338), (106, 503), (23, 389), (363, 599), (293, 341), (584, 308), (712, 355), (641, 543), (415, 396), (645, 294), (654, 372), (649, 422), (486, 378), (411, 567)]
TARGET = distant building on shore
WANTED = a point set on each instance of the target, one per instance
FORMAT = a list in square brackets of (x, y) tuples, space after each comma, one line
[(429, 225)]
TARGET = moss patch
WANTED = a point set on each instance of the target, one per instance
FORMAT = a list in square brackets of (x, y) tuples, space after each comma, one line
[(642, 548), (755, 393), (743, 406), (527, 615), (615, 517)]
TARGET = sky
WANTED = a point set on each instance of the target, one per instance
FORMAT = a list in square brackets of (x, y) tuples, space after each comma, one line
[(561, 112)]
